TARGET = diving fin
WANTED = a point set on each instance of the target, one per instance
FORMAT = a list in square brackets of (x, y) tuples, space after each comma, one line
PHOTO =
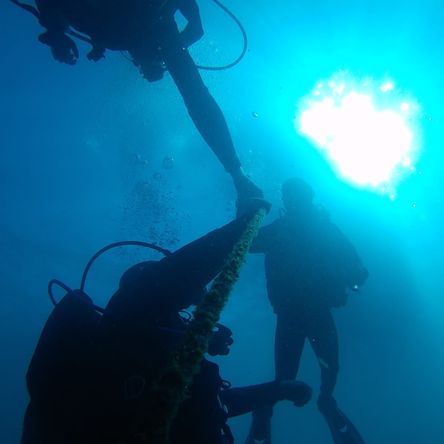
[(347, 434), (342, 429)]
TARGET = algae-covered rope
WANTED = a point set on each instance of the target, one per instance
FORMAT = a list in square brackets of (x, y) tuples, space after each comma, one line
[(171, 389)]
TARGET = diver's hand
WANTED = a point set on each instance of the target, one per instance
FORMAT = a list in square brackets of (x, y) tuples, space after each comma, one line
[(297, 392), (97, 53), (249, 195), (257, 203), (63, 48), (221, 341), (249, 207)]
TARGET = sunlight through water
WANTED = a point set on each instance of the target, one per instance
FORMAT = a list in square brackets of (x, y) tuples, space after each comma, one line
[(365, 128)]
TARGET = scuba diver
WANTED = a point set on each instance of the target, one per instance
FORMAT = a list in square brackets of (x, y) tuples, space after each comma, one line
[(309, 265), (91, 376), (147, 30)]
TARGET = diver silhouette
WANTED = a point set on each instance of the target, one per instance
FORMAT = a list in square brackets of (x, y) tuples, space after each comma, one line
[(147, 30), (91, 377), (310, 265)]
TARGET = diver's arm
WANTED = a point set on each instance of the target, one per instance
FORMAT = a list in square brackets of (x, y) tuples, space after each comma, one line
[(354, 271), (197, 263), (193, 30), (239, 401), (151, 287)]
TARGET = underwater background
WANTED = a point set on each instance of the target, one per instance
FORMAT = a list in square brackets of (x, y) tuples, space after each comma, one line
[(86, 160)]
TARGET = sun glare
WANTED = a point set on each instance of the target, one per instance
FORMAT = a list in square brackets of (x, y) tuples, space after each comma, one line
[(364, 128)]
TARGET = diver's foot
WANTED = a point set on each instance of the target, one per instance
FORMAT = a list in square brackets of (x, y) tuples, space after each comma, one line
[(329, 408), (342, 429)]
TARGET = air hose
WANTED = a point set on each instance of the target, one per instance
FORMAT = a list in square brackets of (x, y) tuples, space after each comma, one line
[(56, 282), (34, 11), (103, 250), (170, 390), (244, 39)]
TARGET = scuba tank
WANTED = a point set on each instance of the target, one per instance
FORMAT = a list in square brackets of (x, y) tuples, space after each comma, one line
[(63, 377), (60, 375)]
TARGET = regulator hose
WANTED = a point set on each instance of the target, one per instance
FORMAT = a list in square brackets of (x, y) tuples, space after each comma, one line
[(56, 282), (116, 245), (244, 38)]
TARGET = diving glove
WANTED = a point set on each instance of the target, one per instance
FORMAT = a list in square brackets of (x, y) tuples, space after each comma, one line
[(97, 53), (63, 48), (297, 392), (221, 341)]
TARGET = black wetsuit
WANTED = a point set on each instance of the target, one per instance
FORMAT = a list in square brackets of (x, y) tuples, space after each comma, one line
[(148, 31), (309, 266), (132, 360), (90, 376)]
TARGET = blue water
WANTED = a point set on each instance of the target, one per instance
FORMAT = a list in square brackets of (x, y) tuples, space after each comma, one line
[(82, 152)]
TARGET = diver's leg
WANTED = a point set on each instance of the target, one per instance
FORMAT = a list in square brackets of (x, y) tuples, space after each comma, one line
[(206, 115), (323, 339), (288, 347), (289, 343)]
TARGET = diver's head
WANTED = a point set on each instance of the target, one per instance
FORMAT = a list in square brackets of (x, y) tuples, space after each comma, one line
[(297, 195)]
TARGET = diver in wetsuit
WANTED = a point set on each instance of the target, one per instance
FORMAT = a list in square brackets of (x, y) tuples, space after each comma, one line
[(310, 265), (148, 31), (90, 377)]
